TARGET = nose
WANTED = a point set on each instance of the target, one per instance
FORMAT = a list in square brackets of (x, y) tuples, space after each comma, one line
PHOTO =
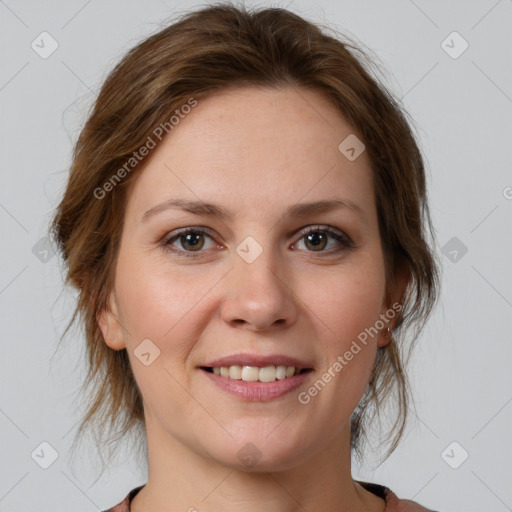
[(258, 296)]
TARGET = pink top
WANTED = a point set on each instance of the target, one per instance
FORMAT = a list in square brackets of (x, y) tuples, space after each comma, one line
[(393, 503)]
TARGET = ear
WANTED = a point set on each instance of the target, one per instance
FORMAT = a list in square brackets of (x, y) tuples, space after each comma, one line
[(111, 329), (393, 305)]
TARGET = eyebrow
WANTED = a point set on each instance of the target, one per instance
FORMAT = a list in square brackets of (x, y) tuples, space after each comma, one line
[(212, 210)]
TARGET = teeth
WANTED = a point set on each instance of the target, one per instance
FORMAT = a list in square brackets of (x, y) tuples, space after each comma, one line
[(235, 372), (281, 372), (250, 373), (255, 373), (267, 374)]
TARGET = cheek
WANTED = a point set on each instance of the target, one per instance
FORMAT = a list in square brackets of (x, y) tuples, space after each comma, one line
[(164, 306), (347, 306), (161, 303), (347, 301)]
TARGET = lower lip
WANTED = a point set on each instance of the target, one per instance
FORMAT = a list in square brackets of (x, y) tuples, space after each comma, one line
[(258, 391)]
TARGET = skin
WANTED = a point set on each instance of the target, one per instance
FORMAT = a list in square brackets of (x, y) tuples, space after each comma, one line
[(253, 151)]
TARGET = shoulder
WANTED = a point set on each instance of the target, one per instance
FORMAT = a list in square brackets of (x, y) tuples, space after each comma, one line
[(393, 502), (124, 506)]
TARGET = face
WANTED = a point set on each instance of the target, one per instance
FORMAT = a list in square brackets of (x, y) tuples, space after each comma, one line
[(251, 283)]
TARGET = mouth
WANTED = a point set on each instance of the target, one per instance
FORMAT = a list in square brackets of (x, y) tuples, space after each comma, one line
[(257, 377), (264, 374), (257, 383)]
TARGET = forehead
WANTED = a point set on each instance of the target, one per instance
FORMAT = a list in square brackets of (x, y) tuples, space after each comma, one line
[(256, 146)]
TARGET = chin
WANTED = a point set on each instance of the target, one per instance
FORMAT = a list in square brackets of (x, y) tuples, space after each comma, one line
[(260, 453)]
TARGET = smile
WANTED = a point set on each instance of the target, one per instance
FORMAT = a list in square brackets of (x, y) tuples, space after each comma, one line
[(255, 383), (256, 373)]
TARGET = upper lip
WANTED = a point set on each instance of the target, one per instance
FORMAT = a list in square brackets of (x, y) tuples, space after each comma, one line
[(259, 360)]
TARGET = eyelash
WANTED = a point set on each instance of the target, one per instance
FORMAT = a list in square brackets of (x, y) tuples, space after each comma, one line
[(341, 237)]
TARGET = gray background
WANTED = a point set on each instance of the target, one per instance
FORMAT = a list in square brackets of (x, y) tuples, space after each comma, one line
[(462, 109)]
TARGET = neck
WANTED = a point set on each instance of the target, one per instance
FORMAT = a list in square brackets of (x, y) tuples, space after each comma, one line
[(181, 479)]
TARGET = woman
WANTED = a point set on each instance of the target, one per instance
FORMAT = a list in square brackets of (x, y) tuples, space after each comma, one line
[(246, 223)]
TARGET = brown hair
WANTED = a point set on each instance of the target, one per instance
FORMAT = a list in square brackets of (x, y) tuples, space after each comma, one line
[(209, 50)]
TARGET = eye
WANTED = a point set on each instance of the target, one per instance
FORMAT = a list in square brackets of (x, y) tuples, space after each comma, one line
[(316, 239), (191, 240)]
